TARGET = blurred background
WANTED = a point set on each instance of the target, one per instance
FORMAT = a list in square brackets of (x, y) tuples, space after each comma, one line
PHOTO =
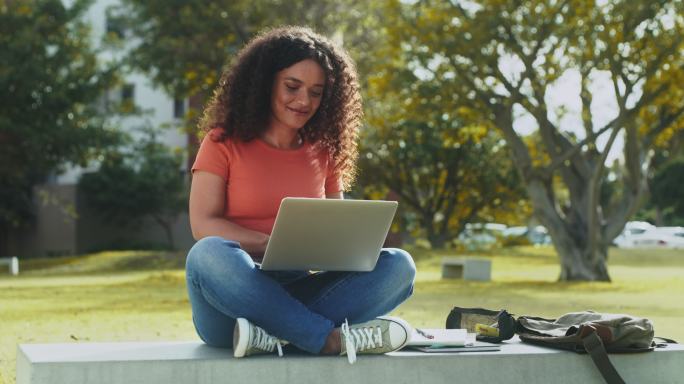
[(543, 136), (492, 123)]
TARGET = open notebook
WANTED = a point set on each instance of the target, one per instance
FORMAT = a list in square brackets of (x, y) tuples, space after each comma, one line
[(478, 346), (426, 337), (447, 340)]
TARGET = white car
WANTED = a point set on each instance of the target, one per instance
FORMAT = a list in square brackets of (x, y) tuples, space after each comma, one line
[(665, 237), (477, 236), (632, 229), (645, 235), (536, 235)]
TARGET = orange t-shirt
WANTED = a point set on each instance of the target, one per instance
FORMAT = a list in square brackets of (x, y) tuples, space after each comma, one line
[(259, 176)]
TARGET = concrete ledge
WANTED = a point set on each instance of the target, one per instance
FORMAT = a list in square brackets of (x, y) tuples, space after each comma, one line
[(12, 263), (467, 268), (194, 362)]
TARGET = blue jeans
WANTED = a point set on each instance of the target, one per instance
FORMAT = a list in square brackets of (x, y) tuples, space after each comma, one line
[(224, 283)]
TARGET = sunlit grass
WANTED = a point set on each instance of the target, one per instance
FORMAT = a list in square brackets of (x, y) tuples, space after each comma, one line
[(109, 296), (126, 296), (648, 283)]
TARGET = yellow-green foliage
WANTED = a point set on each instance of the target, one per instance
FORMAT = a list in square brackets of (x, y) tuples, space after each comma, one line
[(124, 296)]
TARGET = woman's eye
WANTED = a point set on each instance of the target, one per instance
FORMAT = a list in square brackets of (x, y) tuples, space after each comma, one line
[(291, 88), (316, 94)]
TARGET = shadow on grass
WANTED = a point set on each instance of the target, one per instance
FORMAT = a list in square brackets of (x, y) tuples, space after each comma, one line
[(105, 263), (153, 292)]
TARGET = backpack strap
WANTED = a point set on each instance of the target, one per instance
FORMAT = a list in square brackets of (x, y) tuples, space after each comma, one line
[(594, 346), (662, 341)]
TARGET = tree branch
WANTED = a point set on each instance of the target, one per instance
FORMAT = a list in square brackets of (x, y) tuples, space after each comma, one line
[(632, 157), (523, 160), (627, 208), (559, 160), (586, 98), (594, 188), (616, 88)]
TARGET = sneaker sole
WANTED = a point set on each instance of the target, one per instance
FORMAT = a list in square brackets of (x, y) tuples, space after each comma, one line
[(241, 333)]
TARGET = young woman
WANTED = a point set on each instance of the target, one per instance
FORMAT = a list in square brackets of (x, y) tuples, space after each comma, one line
[(283, 122)]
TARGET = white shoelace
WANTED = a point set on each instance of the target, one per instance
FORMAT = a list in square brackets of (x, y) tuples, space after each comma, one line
[(265, 342), (360, 339)]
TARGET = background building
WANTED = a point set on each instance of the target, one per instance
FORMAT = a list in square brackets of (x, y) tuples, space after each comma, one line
[(64, 224)]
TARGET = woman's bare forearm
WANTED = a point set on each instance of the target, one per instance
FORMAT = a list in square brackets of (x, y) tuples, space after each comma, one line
[(250, 241)]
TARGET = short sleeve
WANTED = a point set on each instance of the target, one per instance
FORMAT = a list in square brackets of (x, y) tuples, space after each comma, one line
[(213, 157), (333, 180)]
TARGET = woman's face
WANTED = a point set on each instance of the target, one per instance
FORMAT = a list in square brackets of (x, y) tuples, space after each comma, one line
[(296, 94)]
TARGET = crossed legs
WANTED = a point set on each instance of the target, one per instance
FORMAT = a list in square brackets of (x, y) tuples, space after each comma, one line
[(224, 284)]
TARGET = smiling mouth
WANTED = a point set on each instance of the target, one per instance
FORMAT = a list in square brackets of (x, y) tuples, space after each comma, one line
[(299, 112)]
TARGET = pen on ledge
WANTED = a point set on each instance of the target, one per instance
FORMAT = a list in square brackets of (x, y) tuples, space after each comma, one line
[(425, 335)]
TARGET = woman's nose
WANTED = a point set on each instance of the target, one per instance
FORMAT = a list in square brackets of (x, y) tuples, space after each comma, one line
[(303, 99)]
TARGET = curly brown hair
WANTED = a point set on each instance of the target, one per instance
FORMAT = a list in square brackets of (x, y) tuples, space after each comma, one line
[(241, 104)]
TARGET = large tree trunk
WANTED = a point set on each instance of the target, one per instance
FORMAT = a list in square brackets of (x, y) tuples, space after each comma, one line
[(578, 263), (579, 231), (580, 259), (437, 240), (436, 237)]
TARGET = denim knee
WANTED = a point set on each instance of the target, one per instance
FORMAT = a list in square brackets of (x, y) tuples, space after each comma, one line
[(401, 265), (215, 254)]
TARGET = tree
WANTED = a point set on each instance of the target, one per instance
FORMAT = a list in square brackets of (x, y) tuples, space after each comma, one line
[(499, 59), (184, 45), (49, 76), (446, 172), (143, 179), (443, 183), (662, 205)]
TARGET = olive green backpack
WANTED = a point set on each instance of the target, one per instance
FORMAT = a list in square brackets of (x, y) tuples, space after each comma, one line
[(594, 333), (584, 332)]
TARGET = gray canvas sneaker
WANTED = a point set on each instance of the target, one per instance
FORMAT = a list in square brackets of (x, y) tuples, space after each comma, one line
[(380, 335), (248, 339)]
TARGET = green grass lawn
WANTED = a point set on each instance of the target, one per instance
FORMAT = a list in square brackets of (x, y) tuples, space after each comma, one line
[(125, 296)]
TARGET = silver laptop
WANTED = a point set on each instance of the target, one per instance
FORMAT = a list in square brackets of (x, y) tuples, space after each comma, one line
[(328, 234)]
